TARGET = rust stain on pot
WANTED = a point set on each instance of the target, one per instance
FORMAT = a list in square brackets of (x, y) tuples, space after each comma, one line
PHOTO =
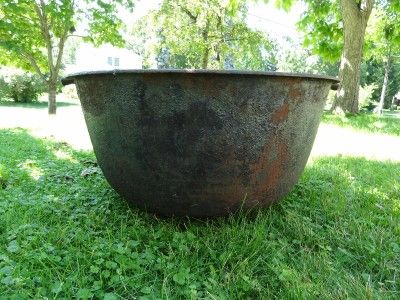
[(277, 165), (281, 114), (201, 143), (296, 92), (269, 169)]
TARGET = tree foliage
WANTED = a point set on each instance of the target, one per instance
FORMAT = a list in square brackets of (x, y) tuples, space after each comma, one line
[(33, 32), (383, 32), (297, 59), (322, 25), (323, 28), (203, 34)]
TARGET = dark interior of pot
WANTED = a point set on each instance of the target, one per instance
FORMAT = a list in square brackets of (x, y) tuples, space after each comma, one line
[(201, 143)]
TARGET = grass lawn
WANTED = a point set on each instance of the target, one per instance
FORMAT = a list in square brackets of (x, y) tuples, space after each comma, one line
[(388, 123), (64, 235), (37, 105)]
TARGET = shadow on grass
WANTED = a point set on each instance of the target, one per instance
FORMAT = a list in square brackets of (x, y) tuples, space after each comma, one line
[(389, 123), (38, 104), (67, 235)]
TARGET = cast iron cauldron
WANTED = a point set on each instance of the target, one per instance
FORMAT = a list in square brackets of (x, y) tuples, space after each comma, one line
[(201, 143)]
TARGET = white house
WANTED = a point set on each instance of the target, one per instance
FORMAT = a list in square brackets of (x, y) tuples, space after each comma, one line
[(105, 57)]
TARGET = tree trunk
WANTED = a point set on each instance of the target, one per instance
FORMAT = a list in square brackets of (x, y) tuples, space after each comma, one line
[(384, 86), (206, 54), (355, 19), (52, 90), (393, 105), (54, 61)]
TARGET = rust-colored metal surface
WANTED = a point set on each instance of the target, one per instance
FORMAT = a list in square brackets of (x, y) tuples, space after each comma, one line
[(201, 143)]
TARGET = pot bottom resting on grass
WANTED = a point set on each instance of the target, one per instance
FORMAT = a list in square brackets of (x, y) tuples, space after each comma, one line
[(201, 143)]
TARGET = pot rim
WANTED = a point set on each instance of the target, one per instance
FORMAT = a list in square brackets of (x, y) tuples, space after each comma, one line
[(70, 78)]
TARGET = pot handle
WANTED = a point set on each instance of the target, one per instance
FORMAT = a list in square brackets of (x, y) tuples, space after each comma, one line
[(335, 86), (67, 80)]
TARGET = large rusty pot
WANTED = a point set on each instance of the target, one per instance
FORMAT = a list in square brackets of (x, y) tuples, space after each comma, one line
[(201, 143)]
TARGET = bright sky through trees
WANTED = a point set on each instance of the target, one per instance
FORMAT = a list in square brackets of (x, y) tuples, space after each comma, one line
[(265, 17)]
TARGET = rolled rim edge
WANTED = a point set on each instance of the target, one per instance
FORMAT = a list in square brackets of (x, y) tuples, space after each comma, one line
[(70, 77)]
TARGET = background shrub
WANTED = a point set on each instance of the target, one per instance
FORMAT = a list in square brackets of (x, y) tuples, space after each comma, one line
[(20, 86), (366, 99), (25, 88), (4, 90)]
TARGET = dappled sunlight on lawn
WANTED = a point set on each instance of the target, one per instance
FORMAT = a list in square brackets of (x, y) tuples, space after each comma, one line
[(31, 167), (334, 140), (67, 125), (62, 154)]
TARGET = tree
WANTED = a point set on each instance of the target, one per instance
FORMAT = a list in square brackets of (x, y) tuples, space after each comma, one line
[(355, 16), (336, 28), (33, 33), (384, 42), (205, 34)]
